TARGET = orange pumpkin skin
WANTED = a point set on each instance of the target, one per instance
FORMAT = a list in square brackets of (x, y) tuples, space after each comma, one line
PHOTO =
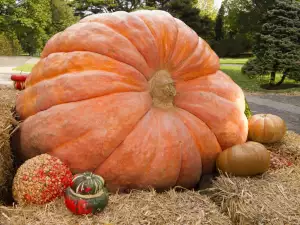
[(137, 98), (266, 128)]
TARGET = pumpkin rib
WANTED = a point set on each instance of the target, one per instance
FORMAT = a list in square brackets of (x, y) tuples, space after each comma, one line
[(134, 127), (186, 59), (187, 158), (185, 45), (63, 145), (209, 92), (60, 104), (195, 116), (103, 42), (255, 132), (197, 152), (44, 63), (107, 118), (208, 152), (227, 133), (147, 164), (154, 15), (266, 131), (219, 83), (71, 86), (174, 44), (138, 28), (145, 143), (132, 45), (276, 121), (86, 20), (202, 62)]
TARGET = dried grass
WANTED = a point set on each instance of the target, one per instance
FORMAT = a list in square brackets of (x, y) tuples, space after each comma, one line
[(7, 102), (272, 198), (289, 147), (135, 208)]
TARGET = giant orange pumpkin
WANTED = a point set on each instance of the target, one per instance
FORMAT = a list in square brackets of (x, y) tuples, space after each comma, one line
[(137, 98)]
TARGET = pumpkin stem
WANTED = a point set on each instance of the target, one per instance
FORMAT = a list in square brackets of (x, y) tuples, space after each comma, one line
[(162, 89)]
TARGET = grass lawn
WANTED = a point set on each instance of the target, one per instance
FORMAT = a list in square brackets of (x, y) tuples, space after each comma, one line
[(255, 84), (233, 60), (25, 67)]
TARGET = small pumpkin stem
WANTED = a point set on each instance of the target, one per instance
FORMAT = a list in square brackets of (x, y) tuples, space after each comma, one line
[(162, 89)]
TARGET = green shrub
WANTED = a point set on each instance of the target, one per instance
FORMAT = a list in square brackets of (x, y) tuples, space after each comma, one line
[(9, 46), (248, 111), (254, 67), (232, 47)]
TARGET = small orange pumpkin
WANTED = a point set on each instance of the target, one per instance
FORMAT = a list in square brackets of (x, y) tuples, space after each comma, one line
[(137, 97), (266, 128), (248, 159)]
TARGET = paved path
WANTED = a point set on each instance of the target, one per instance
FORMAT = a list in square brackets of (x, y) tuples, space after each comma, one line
[(8, 63), (285, 106), (14, 61)]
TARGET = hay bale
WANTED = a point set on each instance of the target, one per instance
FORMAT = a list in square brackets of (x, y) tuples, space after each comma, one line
[(289, 147), (135, 208), (273, 198), (7, 102)]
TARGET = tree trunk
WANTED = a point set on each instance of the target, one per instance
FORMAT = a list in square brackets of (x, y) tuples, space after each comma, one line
[(272, 78), (282, 78)]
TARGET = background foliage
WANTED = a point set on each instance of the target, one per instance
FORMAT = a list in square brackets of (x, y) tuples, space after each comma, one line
[(258, 28), (277, 45)]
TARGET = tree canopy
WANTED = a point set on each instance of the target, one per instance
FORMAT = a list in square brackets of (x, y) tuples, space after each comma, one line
[(185, 10), (277, 47), (219, 27), (230, 31), (207, 8), (32, 22)]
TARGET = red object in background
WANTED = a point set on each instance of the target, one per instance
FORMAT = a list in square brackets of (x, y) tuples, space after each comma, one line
[(18, 77), (19, 81), (19, 85)]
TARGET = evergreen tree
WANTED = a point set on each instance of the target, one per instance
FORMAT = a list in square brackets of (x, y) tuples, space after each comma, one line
[(277, 47), (219, 27)]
